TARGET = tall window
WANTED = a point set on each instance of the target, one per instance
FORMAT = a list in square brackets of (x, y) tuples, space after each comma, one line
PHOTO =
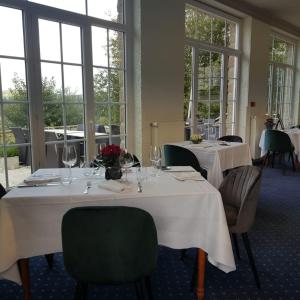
[(281, 79), (62, 80), (211, 73)]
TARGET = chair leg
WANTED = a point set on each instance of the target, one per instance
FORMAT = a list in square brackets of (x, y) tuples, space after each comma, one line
[(183, 253), (236, 245), (81, 291), (142, 287), (148, 287), (293, 162), (49, 258), (273, 158), (251, 258)]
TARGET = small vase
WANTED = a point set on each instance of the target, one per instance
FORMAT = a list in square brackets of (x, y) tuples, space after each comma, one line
[(113, 173)]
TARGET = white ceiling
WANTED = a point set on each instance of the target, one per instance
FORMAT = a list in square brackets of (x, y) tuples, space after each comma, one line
[(284, 14)]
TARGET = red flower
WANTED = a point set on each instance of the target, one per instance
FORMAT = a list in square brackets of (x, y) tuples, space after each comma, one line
[(110, 155)]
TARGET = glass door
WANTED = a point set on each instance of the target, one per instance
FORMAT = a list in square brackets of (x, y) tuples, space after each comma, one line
[(15, 142), (62, 90)]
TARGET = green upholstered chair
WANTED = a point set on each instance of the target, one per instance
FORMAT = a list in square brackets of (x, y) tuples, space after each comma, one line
[(109, 245), (180, 156), (278, 142), (231, 138)]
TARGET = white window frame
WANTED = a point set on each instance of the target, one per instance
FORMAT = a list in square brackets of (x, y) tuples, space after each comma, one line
[(31, 13), (275, 65), (197, 46)]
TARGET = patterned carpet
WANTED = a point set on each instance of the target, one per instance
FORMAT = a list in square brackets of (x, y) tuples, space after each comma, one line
[(275, 242)]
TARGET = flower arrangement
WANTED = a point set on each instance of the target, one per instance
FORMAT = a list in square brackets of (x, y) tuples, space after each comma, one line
[(269, 123), (196, 138), (110, 156)]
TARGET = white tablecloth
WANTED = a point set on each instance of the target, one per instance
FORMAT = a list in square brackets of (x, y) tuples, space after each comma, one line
[(186, 214), (294, 135), (216, 158)]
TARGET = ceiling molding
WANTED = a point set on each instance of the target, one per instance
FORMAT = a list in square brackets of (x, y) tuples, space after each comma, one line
[(262, 15)]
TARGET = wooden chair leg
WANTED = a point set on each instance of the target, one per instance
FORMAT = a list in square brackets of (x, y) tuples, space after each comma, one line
[(251, 258), (24, 272), (50, 258), (236, 245), (81, 291)]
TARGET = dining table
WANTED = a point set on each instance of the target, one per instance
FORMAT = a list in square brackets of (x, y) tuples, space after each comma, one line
[(294, 135), (218, 156), (187, 211)]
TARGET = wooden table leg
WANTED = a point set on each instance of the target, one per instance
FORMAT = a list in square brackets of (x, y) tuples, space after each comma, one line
[(24, 272), (201, 274)]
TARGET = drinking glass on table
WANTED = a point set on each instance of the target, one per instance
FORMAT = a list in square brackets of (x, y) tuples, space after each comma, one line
[(126, 161), (69, 158), (98, 159), (155, 157)]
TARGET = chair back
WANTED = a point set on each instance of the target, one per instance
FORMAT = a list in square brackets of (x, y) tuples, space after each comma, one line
[(20, 138), (180, 156), (278, 141), (100, 128), (2, 191), (109, 245), (240, 189), (231, 138)]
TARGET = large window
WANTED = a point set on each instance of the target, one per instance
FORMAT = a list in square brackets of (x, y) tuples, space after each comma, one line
[(62, 80), (281, 79), (211, 73)]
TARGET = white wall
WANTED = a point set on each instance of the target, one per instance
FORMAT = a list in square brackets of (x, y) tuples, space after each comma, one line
[(159, 64), (254, 81)]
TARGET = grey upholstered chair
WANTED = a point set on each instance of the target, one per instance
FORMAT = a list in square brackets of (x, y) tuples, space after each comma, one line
[(239, 190), (53, 151), (21, 138)]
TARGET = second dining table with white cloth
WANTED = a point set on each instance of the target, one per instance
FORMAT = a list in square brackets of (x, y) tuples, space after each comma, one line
[(294, 135), (218, 156), (186, 213)]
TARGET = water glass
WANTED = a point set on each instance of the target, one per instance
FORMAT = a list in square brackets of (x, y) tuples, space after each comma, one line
[(69, 158), (126, 161), (155, 156)]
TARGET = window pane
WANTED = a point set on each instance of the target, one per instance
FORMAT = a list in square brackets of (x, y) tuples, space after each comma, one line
[(231, 29), (51, 82), (71, 42), (11, 32), (13, 79), (77, 6), (74, 115), (101, 114), (218, 31), (73, 83), (111, 10), (117, 115), (116, 85), (99, 41), (115, 49), (100, 85), (15, 115), (53, 116), (49, 40), (187, 83), (190, 22)]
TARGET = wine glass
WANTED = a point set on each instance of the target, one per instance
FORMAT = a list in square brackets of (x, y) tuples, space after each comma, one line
[(155, 156), (98, 158), (126, 161), (69, 158)]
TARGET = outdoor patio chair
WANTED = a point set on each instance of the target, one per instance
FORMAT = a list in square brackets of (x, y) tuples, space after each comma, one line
[(21, 138)]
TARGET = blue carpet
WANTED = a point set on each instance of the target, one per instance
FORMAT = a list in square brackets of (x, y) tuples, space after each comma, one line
[(275, 243)]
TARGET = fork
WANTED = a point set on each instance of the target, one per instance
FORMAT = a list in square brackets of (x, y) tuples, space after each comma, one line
[(88, 185)]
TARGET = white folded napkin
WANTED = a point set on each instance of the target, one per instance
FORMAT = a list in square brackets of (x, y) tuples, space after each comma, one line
[(112, 185), (179, 169), (182, 176), (41, 179)]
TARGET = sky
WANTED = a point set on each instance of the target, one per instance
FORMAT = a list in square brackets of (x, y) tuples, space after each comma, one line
[(12, 43)]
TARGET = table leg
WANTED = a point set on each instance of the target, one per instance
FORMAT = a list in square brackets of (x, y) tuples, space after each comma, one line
[(201, 275), (24, 272)]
